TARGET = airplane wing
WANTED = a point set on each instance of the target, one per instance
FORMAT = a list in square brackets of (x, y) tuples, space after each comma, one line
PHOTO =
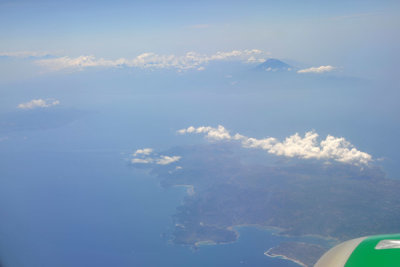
[(371, 251)]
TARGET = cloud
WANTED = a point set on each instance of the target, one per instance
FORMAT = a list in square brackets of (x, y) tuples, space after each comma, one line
[(253, 59), (38, 103), (219, 133), (144, 151), (147, 156), (320, 69), (24, 54), (190, 60), (307, 147), (81, 62), (165, 160), (143, 161)]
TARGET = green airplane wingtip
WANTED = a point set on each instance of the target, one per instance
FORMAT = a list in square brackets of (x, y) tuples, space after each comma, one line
[(380, 251), (373, 251)]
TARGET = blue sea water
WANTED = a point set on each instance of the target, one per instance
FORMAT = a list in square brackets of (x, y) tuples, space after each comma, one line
[(69, 201)]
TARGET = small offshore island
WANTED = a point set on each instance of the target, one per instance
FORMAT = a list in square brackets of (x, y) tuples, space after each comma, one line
[(335, 201)]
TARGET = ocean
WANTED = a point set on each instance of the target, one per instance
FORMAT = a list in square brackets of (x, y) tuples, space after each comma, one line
[(68, 201)]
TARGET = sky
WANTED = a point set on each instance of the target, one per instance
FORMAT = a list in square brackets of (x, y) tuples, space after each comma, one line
[(45, 42), (349, 34)]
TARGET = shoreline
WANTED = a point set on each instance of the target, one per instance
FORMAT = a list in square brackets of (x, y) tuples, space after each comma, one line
[(283, 257), (189, 188), (275, 230), (236, 228), (272, 229), (205, 243)]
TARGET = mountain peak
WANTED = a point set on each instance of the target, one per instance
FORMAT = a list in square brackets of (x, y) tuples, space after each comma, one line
[(274, 65)]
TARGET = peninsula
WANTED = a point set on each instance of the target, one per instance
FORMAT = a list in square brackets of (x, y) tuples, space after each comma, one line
[(233, 187)]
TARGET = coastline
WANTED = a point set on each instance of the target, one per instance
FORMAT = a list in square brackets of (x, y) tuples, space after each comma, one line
[(205, 243), (283, 257), (235, 228), (270, 252), (325, 238), (189, 188), (212, 243), (275, 230), (272, 229)]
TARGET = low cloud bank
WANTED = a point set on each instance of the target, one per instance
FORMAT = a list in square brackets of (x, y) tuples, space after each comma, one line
[(190, 60), (24, 54), (307, 147)]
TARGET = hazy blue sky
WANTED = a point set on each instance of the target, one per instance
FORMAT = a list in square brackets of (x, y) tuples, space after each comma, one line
[(348, 34)]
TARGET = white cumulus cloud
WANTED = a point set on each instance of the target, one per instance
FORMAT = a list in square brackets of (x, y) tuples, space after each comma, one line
[(142, 161), (144, 151), (148, 156), (39, 103), (307, 147), (149, 60), (219, 133), (320, 69), (165, 160)]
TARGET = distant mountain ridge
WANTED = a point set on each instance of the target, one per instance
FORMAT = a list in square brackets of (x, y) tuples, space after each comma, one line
[(274, 65)]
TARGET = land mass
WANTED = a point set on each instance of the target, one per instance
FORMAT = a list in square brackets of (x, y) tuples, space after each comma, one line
[(233, 186), (304, 254)]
